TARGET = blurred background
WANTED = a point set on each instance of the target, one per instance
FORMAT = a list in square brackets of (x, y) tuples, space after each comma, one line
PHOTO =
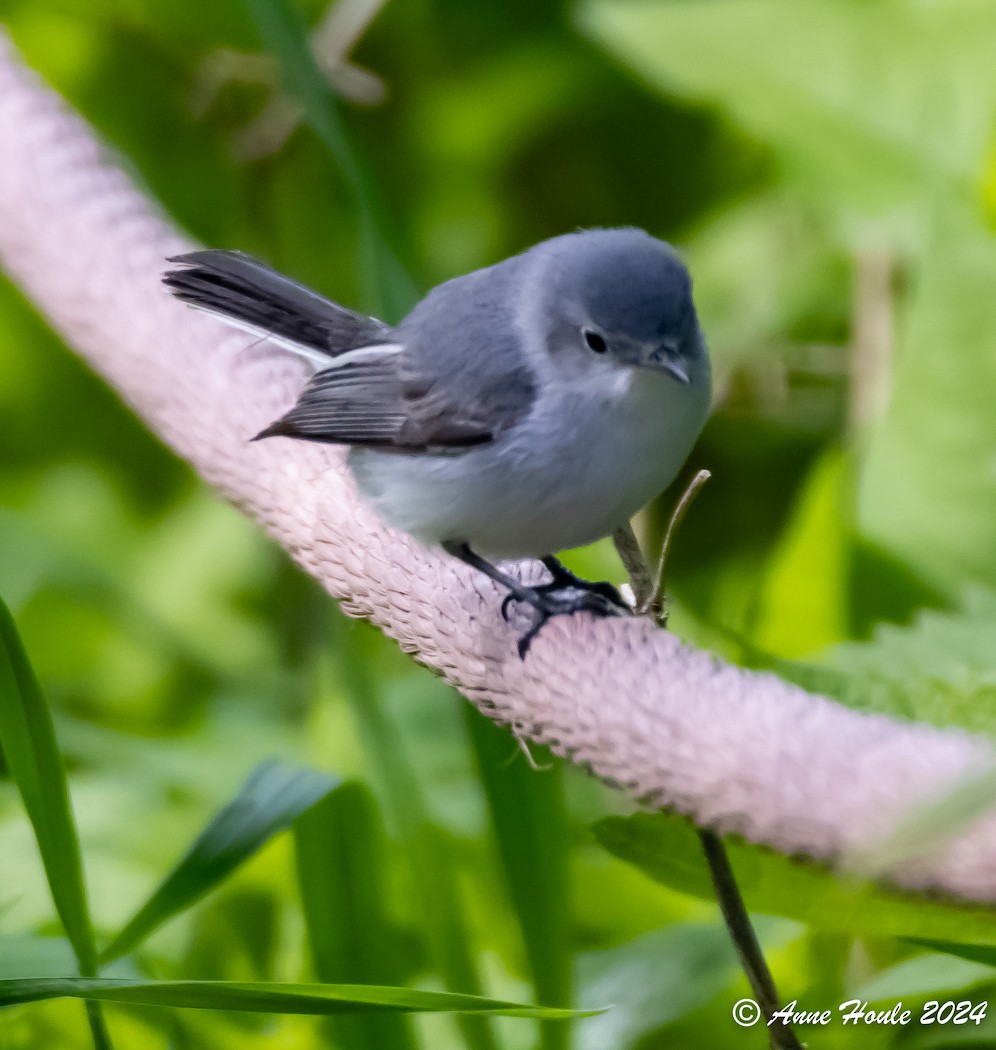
[(828, 170)]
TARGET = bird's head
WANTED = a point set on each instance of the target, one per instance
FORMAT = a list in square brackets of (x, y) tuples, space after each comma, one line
[(624, 298)]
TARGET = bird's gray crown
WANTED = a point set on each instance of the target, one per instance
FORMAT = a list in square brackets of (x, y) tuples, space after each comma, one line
[(624, 280)]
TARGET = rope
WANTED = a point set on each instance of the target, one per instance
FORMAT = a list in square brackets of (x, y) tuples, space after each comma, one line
[(738, 751)]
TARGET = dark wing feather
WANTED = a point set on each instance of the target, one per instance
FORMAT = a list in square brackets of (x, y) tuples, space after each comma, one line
[(444, 414), (459, 380), (365, 402), (355, 403), (241, 289), (465, 375)]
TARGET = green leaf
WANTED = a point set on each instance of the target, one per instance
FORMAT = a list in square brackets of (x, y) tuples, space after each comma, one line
[(691, 964), (272, 797), (940, 669), (340, 851), (427, 849), (981, 953), (32, 752), (667, 849), (796, 274), (926, 489), (802, 606), (530, 822), (856, 99), (261, 997), (924, 976)]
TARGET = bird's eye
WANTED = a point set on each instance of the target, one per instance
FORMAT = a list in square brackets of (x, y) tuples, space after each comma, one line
[(595, 341)]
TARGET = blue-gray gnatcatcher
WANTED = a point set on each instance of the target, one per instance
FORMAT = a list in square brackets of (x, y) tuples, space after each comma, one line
[(517, 411)]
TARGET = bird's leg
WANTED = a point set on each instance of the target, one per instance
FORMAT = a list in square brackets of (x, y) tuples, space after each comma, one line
[(546, 601), (516, 591), (564, 578)]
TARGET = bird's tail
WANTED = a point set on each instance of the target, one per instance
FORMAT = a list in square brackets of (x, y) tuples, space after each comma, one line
[(250, 295)]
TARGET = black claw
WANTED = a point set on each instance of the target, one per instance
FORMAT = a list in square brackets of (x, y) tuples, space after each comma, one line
[(554, 602), (566, 595), (601, 590), (564, 579), (611, 593), (527, 639)]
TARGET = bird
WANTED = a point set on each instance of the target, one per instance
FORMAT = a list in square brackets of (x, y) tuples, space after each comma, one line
[(518, 411)]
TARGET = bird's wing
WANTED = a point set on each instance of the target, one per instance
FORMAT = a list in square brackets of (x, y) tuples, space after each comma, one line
[(368, 398), (461, 408), (449, 378), (465, 375), (357, 402), (250, 295)]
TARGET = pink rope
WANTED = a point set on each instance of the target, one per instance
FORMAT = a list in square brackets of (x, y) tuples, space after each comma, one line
[(740, 751)]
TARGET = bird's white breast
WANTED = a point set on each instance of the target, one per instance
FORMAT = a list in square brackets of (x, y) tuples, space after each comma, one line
[(584, 460)]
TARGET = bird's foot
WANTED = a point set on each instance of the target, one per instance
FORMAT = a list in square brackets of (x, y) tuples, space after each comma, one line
[(563, 577), (565, 580), (575, 583), (550, 600), (565, 595)]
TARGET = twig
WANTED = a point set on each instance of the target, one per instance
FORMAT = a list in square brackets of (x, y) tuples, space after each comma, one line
[(340, 29), (632, 558), (872, 339), (654, 607), (738, 923), (650, 602)]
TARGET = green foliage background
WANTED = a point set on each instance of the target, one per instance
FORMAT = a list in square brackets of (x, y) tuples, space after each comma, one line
[(828, 167)]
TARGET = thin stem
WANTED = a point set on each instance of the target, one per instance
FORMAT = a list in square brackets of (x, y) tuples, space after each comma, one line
[(649, 602), (632, 558), (98, 1027), (872, 340), (654, 607), (731, 904)]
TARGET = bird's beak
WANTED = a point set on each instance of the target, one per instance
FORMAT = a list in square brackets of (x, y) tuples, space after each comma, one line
[(667, 358), (677, 370)]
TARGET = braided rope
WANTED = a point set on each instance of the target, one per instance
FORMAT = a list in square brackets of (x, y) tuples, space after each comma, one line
[(739, 751)]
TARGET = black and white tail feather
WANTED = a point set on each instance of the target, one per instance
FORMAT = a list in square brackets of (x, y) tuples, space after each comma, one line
[(345, 348), (365, 390), (251, 296), (369, 388)]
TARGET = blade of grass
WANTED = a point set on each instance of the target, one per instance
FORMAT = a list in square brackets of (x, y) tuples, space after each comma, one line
[(339, 846), (273, 796), (426, 847), (284, 32), (263, 997), (392, 292), (981, 953), (27, 736), (530, 823), (35, 763)]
